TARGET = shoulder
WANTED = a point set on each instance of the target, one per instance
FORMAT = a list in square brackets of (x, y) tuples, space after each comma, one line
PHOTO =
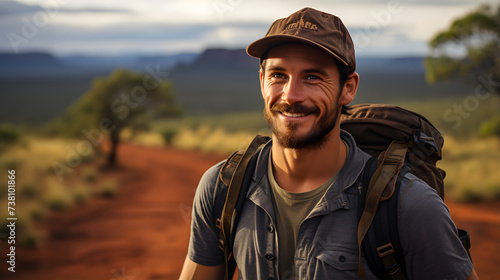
[(422, 213), (211, 175), (209, 181), (209, 192), (428, 235), (417, 195)]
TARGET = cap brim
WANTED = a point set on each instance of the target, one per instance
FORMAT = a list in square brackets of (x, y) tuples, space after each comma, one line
[(259, 47)]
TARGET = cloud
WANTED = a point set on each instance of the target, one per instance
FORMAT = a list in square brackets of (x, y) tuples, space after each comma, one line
[(13, 8), (158, 26), (10, 7), (136, 37)]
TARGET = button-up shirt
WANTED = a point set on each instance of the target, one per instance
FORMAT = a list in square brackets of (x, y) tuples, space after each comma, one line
[(327, 240)]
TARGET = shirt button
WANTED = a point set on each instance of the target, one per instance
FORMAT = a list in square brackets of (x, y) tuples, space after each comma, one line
[(342, 259), (269, 257)]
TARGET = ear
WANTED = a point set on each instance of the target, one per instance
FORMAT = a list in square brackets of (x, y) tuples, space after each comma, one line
[(261, 78), (349, 90)]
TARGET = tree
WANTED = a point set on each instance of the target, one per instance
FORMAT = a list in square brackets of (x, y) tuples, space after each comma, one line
[(122, 100), (9, 135), (471, 45)]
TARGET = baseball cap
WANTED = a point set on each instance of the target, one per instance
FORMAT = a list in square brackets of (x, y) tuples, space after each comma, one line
[(313, 27)]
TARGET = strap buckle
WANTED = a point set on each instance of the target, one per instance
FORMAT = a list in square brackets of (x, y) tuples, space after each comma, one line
[(221, 245), (385, 250)]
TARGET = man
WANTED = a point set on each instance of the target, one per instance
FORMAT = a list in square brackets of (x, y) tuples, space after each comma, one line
[(300, 217)]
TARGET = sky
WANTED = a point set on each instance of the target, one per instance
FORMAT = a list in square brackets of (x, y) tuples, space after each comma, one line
[(163, 27)]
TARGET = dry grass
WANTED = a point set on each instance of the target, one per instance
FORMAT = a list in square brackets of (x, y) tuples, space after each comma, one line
[(472, 168), (57, 197), (148, 139), (215, 140), (39, 191)]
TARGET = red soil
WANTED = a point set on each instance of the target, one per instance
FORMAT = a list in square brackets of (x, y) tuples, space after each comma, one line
[(143, 233)]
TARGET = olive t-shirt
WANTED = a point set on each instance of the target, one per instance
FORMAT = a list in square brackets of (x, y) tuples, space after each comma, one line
[(290, 210)]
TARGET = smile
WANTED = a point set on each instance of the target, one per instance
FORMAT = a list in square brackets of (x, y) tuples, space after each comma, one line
[(294, 115)]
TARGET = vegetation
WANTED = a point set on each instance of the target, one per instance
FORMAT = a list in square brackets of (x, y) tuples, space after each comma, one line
[(123, 100), (491, 127), (39, 191), (9, 134), (471, 162), (471, 167), (469, 46), (455, 116), (125, 103)]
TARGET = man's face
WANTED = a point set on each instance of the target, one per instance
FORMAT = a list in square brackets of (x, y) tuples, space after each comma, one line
[(301, 89)]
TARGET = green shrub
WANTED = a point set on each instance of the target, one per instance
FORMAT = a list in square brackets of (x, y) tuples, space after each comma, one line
[(80, 194), (29, 190), (37, 213), (30, 238), (169, 134), (491, 127), (89, 174), (8, 134), (57, 197), (108, 189)]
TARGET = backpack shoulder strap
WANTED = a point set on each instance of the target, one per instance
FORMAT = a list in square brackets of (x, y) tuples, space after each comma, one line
[(380, 188), (381, 245), (233, 174)]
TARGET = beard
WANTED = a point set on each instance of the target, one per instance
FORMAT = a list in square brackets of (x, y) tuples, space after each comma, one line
[(289, 138)]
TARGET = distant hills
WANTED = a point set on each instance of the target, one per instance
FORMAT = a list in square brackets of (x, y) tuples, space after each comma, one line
[(44, 64), (35, 87)]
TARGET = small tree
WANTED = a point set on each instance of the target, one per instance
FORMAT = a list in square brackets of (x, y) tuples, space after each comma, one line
[(122, 100), (471, 45), (9, 135)]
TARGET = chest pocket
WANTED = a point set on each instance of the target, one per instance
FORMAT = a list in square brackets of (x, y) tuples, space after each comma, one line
[(341, 260), (336, 263)]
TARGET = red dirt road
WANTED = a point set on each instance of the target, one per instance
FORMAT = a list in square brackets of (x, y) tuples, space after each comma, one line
[(143, 233)]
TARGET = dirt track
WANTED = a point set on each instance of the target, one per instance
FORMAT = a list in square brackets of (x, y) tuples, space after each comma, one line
[(143, 233)]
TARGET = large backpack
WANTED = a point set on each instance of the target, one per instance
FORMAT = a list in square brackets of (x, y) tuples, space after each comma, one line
[(399, 141)]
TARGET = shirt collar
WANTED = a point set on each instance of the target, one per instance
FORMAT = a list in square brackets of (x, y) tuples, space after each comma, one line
[(333, 198)]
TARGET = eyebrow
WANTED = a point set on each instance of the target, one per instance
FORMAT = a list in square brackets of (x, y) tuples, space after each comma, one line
[(315, 70), (276, 68), (306, 71)]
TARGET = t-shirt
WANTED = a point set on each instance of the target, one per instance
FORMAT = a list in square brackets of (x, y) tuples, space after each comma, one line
[(290, 210)]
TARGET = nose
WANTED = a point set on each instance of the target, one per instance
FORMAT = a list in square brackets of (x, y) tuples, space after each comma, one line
[(292, 92)]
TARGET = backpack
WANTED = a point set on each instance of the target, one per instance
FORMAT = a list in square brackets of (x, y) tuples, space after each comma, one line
[(398, 140)]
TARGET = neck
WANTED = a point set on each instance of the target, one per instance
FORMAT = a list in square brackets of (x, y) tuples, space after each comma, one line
[(306, 169)]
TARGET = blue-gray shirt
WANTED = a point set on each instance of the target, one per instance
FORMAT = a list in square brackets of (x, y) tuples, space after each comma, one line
[(326, 244)]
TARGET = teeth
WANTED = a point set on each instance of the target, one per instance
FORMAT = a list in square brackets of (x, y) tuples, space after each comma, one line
[(293, 115)]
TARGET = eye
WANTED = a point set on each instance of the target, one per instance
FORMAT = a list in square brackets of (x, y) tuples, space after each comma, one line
[(312, 78), (278, 75)]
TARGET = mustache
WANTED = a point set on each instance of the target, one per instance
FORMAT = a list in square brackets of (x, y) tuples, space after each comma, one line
[(295, 108)]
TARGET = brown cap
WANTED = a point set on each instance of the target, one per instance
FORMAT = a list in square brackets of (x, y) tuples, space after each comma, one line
[(311, 27)]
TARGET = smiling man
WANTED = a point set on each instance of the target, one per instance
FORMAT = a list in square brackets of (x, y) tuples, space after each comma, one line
[(299, 220)]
